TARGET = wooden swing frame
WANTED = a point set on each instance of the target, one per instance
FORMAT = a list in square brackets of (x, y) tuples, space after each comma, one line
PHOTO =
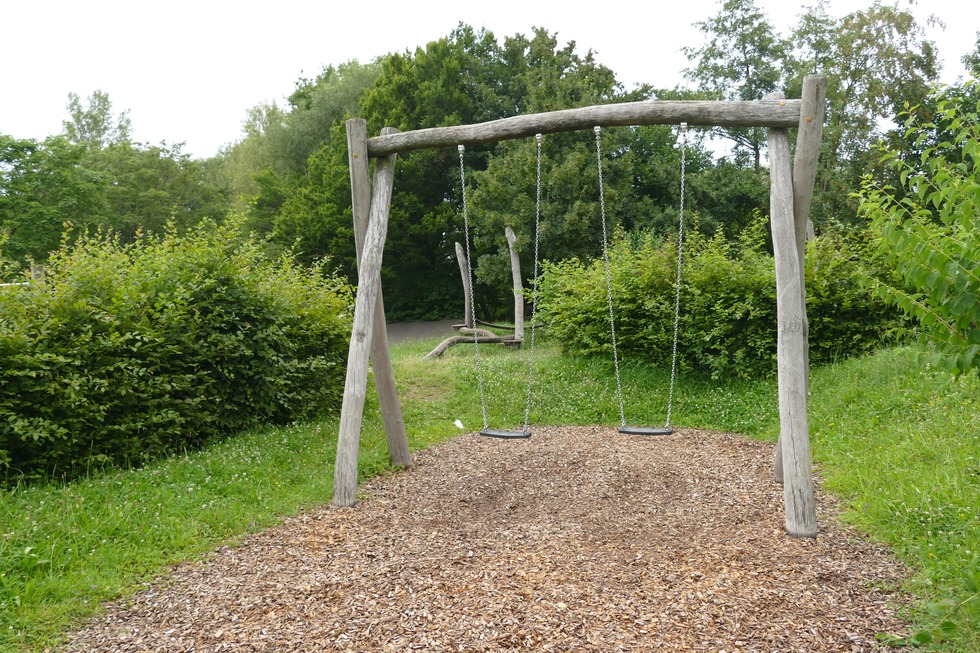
[(792, 182)]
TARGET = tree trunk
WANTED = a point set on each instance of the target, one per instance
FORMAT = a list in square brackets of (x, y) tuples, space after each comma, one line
[(808, 139), (696, 113), (355, 386), (462, 340)]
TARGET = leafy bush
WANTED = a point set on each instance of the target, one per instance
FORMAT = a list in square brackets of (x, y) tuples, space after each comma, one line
[(128, 352), (927, 229), (728, 303), (845, 318)]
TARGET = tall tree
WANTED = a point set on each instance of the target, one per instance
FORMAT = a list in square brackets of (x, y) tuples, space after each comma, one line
[(315, 219), (237, 167), (547, 76), (43, 187), (876, 60), (741, 60), (94, 175), (469, 78), (455, 80), (148, 186), (316, 106), (277, 143), (95, 125)]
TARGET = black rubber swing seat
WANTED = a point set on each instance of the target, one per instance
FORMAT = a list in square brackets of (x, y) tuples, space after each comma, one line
[(646, 430), (505, 435)]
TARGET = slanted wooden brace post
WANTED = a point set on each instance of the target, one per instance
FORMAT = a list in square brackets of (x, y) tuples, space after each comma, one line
[(792, 189), (368, 335), (384, 375)]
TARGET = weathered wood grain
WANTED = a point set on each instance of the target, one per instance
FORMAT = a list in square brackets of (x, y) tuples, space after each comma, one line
[(452, 341), (464, 274), (384, 374), (809, 136), (762, 113), (515, 272), (791, 345), (355, 385)]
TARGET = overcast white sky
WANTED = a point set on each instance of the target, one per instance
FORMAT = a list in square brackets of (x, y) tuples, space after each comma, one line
[(188, 70)]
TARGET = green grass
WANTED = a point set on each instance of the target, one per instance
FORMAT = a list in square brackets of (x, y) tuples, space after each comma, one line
[(898, 443)]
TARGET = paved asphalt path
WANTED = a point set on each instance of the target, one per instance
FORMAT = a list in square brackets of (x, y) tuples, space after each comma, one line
[(404, 331)]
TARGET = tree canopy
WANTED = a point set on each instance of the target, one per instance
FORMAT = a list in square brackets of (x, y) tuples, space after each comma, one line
[(741, 60), (288, 173), (95, 177)]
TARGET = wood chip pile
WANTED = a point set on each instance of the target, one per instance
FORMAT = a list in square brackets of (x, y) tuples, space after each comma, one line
[(579, 539)]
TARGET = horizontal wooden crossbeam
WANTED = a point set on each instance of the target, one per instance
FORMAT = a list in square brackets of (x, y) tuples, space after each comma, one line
[(762, 113)]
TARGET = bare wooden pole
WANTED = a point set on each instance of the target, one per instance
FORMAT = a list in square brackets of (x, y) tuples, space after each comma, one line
[(791, 345), (808, 139), (355, 386), (465, 275), (384, 374), (762, 113), (515, 271), (809, 136)]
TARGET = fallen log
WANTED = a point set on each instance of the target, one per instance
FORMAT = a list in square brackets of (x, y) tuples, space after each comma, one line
[(480, 333), (457, 340)]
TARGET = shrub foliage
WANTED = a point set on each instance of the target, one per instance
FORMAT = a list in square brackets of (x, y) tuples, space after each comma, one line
[(926, 228), (128, 352), (728, 303)]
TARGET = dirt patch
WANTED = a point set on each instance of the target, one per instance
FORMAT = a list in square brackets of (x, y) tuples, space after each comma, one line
[(579, 539)]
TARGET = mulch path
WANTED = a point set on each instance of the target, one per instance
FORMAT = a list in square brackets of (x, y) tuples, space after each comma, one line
[(579, 539)]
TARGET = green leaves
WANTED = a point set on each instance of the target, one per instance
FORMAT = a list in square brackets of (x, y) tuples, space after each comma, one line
[(95, 126), (43, 186), (926, 230), (129, 352), (954, 619), (47, 187), (728, 304), (741, 60)]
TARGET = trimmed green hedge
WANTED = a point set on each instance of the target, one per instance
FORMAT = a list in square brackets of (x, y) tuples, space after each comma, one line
[(728, 304), (125, 353)]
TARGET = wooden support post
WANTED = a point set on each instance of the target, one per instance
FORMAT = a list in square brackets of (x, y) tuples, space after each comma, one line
[(808, 139), (384, 375), (515, 271), (791, 345), (464, 273), (355, 386)]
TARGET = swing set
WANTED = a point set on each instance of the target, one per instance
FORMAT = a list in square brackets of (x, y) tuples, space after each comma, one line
[(525, 432), (792, 181)]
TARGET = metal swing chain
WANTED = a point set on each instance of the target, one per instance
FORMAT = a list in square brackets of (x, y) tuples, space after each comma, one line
[(680, 250), (534, 289), (469, 272), (609, 297)]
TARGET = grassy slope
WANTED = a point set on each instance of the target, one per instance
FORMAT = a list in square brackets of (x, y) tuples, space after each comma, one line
[(896, 442), (900, 443)]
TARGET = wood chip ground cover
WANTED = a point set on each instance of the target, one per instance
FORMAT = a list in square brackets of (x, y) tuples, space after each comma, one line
[(579, 539)]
